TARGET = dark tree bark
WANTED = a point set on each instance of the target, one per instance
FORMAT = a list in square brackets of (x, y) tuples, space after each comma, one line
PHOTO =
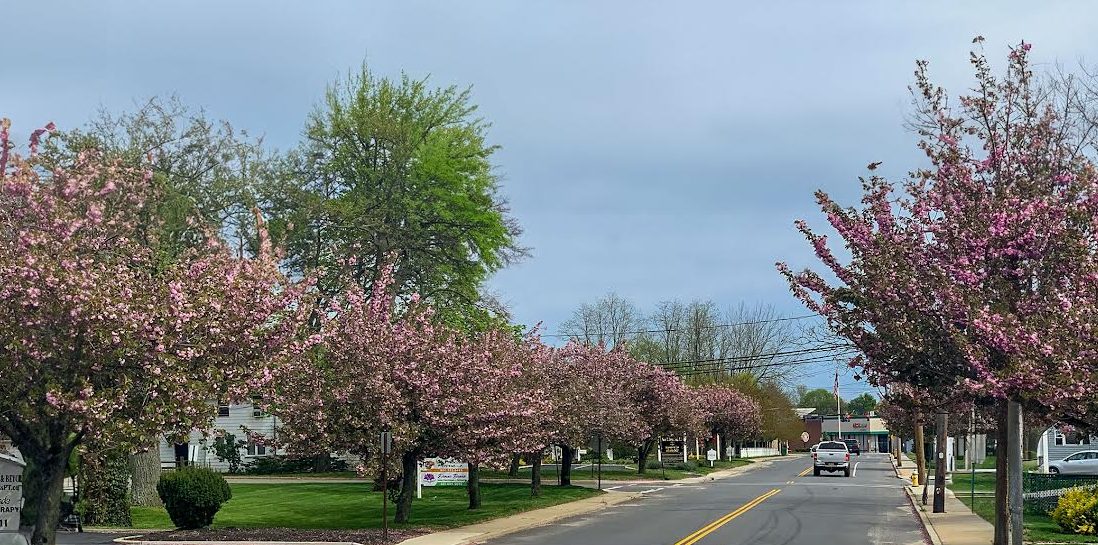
[(473, 486), (407, 485), (512, 471), (51, 475), (566, 453), (920, 450), (535, 474), (643, 451), (1002, 511)]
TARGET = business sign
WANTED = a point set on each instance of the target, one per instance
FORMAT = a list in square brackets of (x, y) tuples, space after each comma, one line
[(11, 492), (443, 472), (859, 424), (671, 448)]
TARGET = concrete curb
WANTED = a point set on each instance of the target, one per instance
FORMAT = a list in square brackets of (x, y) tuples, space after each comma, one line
[(928, 528)]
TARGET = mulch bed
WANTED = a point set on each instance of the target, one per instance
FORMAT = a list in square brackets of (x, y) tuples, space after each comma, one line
[(370, 536)]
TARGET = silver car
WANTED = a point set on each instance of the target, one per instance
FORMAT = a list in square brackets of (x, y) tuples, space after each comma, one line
[(1080, 463)]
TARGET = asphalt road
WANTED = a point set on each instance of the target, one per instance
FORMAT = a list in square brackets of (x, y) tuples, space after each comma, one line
[(779, 504)]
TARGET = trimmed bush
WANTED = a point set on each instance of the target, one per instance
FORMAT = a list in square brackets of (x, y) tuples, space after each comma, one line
[(1077, 511), (193, 495)]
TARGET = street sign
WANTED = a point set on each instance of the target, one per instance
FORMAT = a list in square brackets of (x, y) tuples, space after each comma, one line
[(711, 455), (11, 495), (804, 436)]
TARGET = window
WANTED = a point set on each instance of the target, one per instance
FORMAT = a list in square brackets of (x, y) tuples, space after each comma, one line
[(222, 410), (1076, 457), (832, 445), (257, 407), (256, 449)]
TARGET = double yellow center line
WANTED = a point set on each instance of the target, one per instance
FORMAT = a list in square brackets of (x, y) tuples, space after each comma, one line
[(713, 526), (805, 472)]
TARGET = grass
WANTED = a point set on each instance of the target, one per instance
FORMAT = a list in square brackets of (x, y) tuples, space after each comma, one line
[(354, 506), (549, 473), (1038, 528)]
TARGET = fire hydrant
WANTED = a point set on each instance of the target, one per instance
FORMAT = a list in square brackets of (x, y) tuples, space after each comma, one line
[(914, 479)]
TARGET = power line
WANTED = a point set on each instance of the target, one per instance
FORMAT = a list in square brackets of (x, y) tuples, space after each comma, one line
[(803, 352), (715, 366), (715, 326)]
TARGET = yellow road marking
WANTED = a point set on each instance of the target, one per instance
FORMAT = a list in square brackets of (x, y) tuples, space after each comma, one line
[(713, 526), (805, 472)]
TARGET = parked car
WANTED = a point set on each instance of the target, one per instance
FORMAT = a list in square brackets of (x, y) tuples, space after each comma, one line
[(853, 445), (831, 456), (1080, 463)]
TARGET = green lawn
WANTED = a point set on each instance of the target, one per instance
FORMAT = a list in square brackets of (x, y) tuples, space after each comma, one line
[(1038, 528), (549, 474), (353, 505)]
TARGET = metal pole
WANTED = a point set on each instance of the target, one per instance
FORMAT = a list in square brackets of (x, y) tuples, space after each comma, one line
[(940, 464), (600, 460), (384, 495)]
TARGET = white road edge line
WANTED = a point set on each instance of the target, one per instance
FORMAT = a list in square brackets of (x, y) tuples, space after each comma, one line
[(652, 490), (613, 487), (855, 472)]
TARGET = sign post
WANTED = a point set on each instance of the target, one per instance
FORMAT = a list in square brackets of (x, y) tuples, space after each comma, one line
[(711, 455), (386, 448), (11, 499)]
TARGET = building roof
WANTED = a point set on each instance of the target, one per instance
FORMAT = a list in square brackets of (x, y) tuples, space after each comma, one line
[(804, 411)]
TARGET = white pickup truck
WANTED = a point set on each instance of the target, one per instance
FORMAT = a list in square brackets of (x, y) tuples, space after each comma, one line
[(831, 456)]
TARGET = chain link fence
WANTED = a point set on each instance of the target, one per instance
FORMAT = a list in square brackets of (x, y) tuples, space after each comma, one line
[(1041, 491)]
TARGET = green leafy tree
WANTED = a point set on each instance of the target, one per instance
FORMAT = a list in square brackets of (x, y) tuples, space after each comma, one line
[(822, 400), (862, 404), (397, 170)]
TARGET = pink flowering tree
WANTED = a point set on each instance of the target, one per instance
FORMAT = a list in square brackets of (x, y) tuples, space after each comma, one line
[(658, 398), (728, 412), (982, 273), (590, 391), (102, 340), (491, 408)]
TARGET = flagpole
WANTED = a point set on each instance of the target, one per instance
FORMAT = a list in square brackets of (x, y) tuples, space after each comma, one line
[(838, 406)]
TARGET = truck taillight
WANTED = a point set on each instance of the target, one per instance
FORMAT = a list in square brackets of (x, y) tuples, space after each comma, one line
[(848, 456), (813, 455)]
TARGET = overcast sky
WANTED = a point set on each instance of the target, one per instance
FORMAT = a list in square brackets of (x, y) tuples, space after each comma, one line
[(656, 149)]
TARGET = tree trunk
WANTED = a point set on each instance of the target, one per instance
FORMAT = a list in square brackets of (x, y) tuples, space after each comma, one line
[(535, 474), (512, 471), (1002, 514), (144, 474), (407, 485), (51, 476), (473, 486), (1014, 471), (920, 452), (566, 453), (643, 451), (940, 464)]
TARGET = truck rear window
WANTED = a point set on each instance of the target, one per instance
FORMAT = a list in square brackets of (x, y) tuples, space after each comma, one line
[(832, 446)]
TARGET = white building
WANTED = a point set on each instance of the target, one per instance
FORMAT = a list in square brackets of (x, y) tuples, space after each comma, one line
[(238, 420)]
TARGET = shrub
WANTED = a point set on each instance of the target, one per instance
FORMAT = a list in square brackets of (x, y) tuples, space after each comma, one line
[(193, 495), (227, 449), (1077, 511), (269, 465)]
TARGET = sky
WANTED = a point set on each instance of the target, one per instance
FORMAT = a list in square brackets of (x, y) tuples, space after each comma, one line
[(659, 150)]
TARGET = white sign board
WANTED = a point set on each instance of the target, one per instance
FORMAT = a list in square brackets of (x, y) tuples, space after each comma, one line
[(711, 455), (11, 493), (804, 436), (443, 472)]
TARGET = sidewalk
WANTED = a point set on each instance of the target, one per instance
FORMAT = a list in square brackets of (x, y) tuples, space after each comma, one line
[(957, 526), (540, 517)]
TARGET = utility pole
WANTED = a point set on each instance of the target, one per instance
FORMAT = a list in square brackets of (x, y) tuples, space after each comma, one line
[(838, 407), (940, 463), (386, 446)]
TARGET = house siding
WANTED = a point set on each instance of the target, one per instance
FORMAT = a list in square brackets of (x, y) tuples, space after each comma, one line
[(201, 453)]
